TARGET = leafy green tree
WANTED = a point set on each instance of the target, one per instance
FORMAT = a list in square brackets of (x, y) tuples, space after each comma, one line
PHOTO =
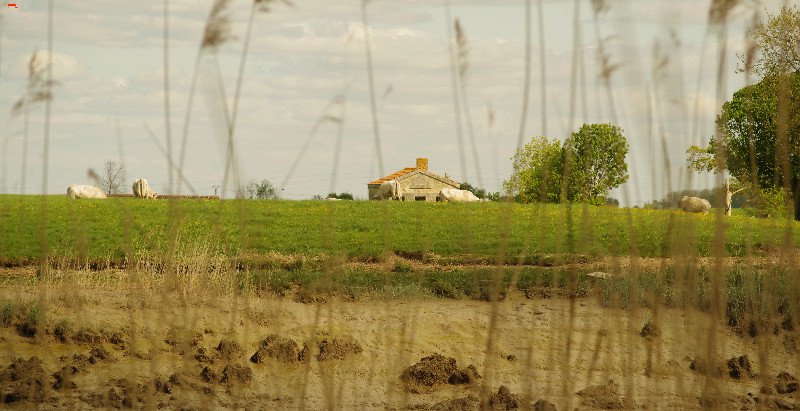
[(776, 40), (342, 196), (759, 128), (537, 172), (595, 157), (261, 190), (750, 125), (479, 192)]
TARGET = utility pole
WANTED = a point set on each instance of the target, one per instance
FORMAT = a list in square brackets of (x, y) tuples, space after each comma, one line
[(215, 189)]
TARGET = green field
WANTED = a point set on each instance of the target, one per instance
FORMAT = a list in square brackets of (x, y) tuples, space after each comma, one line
[(120, 229)]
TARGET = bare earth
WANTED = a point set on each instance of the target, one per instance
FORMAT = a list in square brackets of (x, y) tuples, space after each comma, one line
[(142, 348)]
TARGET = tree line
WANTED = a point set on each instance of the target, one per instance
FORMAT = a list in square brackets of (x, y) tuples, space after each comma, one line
[(758, 130)]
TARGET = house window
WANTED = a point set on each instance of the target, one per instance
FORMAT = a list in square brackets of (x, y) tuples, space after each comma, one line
[(422, 198)]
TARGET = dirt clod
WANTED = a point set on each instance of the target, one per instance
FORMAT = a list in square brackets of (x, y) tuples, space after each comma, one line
[(236, 374), (87, 336), (605, 397), (203, 355), (542, 405), (428, 372), (786, 383), (504, 400), (739, 368), (338, 348), (468, 375), (650, 330), (100, 354), (228, 350), (282, 349), (705, 367), (209, 375), (23, 380), (64, 378)]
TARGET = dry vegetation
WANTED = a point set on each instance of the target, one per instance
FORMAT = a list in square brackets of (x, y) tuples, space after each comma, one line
[(209, 308)]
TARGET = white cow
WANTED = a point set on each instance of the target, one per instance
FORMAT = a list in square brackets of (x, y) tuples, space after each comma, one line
[(141, 189), (458, 196), (332, 199), (695, 205), (84, 191), (389, 190)]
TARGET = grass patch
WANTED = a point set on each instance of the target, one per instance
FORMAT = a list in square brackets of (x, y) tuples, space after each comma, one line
[(118, 230)]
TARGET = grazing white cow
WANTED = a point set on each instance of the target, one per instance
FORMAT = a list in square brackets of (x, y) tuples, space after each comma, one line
[(141, 189), (84, 191), (458, 196), (389, 190), (695, 205)]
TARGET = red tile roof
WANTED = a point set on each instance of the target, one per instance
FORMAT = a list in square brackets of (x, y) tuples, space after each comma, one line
[(410, 169), (394, 175)]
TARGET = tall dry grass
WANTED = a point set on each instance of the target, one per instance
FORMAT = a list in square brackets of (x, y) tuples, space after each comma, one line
[(568, 328)]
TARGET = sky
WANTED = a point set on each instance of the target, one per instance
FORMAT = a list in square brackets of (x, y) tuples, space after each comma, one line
[(305, 120)]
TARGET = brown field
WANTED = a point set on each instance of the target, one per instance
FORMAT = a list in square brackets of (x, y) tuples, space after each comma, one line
[(128, 345)]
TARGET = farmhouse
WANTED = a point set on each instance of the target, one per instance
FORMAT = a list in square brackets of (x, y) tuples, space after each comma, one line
[(416, 183)]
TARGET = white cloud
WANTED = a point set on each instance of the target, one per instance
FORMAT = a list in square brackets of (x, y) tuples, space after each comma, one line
[(65, 67)]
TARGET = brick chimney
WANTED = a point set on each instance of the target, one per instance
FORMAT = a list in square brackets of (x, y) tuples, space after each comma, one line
[(422, 163)]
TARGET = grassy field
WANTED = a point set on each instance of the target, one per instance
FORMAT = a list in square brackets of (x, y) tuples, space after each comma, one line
[(186, 303), (116, 230)]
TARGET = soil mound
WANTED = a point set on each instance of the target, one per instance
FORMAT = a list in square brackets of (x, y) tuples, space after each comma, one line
[(282, 349), (180, 340), (236, 374), (650, 331), (429, 371), (23, 380), (64, 378), (786, 383), (704, 366), (604, 397), (338, 348), (739, 368), (435, 370), (228, 350), (209, 375), (504, 400), (542, 405), (100, 354), (468, 375), (79, 364)]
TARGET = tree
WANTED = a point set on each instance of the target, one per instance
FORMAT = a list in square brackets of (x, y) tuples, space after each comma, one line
[(537, 172), (479, 192), (597, 156), (261, 190), (759, 135), (113, 178), (759, 128), (342, 196), (777, 40)]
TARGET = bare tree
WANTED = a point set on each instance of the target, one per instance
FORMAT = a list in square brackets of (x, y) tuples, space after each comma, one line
[(113, 178)]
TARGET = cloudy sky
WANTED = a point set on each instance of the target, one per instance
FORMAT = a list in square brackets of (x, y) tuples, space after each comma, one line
[(306, 84)]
